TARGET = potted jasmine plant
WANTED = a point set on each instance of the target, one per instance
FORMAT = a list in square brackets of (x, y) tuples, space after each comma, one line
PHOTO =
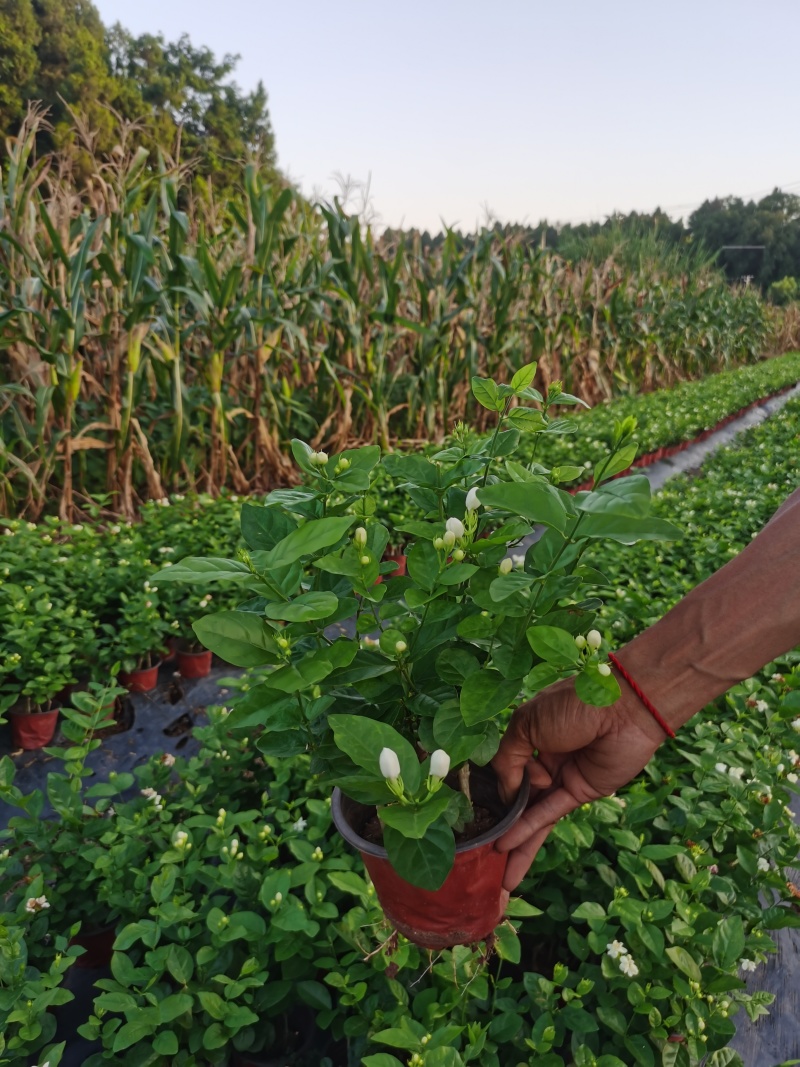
[(137, 638), (42, 649), (400, 689)]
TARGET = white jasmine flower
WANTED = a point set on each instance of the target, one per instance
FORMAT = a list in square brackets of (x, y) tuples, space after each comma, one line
[(736, 772), (472, 502), (168, 759), (389, 764), (440, 764), (628, 967), (300, 825), (506, 565), (449, 539), (791, 777), (762, 705), (517, 560), (721, 767), (748, 965), (455, 526), (594, 640), (35, 904), (615, 949), (796, 724), (763, 864)]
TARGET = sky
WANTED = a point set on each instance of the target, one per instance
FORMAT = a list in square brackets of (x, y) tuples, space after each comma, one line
[(455, 110)]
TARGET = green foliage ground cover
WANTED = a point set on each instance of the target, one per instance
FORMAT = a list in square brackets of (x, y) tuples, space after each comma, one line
[(671, 868), (91, 576)]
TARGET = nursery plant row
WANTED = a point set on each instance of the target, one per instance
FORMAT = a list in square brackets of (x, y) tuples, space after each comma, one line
[(94, 578), (244, 927)]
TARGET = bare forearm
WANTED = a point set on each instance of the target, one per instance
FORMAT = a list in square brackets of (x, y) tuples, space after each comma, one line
[(728, 627)]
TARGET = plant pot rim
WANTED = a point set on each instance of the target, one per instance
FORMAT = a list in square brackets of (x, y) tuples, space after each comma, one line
[(371, 849), (19, 714)]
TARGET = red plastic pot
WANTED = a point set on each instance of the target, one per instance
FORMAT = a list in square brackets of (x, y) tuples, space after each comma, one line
[(34, 730), (194, 664), (396, 556), (140, 681), (98, 944), (471, 902)]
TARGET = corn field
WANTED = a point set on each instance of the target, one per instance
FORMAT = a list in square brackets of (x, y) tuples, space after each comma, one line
[(152, 339)]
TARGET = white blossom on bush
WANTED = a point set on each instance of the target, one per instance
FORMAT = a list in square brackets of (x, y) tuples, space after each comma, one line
[(36, 904), (763, 864), (628, 967), (748, 965), (615, 949)]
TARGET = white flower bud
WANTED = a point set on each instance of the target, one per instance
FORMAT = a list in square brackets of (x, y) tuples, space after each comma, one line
[(389, 764), (440, 763), (604, 669), (360, 536), (319, 459), (594, 640), (580, 641), (472, 502), (455, 526), (438, 543), (400, 647), (506, 565), (449, 539)]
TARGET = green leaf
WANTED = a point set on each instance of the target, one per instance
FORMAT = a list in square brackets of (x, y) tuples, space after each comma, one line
[(684, 962), (727, 942), (304, 608), (554, 645), (381, 1059), (486, 694), (180, 964), (413, 820), (620, 462), (536, 501), (596, 689), (487, 394), (505, 585), (263, 527), (423, 862), (131, 1033), (239, 637), (423, 564), (523, 377), (174, 1005), (526, 420), (311, 537), (165, 1043), (727, 1057), (627, 529), (449, 732), (200, 570), (362, 739), (626, 496)]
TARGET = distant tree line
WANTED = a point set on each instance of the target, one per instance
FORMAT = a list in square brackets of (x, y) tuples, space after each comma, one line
[(178, 97), (757, 240)]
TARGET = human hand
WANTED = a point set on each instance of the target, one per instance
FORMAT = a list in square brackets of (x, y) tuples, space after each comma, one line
[(583, 753)]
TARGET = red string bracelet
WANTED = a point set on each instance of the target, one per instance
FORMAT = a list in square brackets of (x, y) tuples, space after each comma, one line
[(650, 707)]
